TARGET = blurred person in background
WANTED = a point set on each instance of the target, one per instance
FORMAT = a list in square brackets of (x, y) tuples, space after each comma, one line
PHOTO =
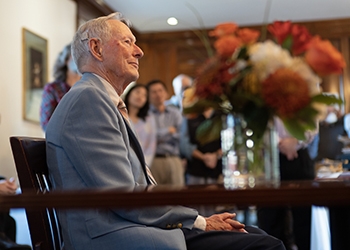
[(142, 121), (180, 84), (167, 166), (204, 164), (65, 73), (292, 225)]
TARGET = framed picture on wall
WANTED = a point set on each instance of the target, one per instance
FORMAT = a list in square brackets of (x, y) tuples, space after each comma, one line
[(35, 74)]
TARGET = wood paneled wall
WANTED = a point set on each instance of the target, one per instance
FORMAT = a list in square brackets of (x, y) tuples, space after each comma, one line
[(168, 54)]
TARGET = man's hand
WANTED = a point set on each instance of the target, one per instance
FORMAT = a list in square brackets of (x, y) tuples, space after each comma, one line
[(8, 187), (172, 130), (224, 222), (288, 147), (210, 160)]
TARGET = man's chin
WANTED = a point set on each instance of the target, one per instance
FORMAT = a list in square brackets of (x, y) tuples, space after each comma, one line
[(135, 76)]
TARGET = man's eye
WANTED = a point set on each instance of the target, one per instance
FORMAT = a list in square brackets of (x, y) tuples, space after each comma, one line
[(128, 41)]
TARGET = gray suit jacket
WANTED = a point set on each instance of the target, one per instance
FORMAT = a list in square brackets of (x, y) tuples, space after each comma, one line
[(88, 146)]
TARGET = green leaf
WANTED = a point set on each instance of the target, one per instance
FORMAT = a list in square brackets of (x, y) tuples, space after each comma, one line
[(326, 99), (307, 116), (302, 121), (209, 130), (287, 43), (295, 128), (257, 118), (243, 53), (234, 80), (238, 78)]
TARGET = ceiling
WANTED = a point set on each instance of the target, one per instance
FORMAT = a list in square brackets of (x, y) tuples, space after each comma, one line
[(151, 15)]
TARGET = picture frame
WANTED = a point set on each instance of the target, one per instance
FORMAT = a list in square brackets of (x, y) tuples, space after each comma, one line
[(35, 73)]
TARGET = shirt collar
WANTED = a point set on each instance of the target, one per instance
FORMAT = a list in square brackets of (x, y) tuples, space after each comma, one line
[(116, 99)]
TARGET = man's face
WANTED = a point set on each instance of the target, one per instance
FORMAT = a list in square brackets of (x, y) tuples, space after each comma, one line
[(186, 83), (157, 94), (121, 53)]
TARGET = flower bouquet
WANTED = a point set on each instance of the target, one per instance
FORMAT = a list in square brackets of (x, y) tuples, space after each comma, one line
[(263, 79), (257, 81)]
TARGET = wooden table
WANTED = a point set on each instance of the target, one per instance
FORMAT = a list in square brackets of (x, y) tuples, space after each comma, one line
[(295, 193)]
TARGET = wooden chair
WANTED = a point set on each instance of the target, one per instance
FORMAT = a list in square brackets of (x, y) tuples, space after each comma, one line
[(30, 159)]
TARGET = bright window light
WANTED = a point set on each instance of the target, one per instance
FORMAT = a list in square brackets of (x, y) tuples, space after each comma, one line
[(172, 21)]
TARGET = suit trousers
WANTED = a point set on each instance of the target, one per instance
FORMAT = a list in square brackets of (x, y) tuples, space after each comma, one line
[(256, 239)]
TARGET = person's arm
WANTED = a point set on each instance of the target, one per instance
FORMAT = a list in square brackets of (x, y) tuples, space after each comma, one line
[(186, 147), (94, 141), (171, 129), (288, 147), (48, 105), (189, 150)]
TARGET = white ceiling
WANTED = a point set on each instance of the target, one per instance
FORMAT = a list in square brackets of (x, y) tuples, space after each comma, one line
[(151, 15)]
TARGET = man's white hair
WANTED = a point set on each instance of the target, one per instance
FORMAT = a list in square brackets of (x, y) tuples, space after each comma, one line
[(95, 28)]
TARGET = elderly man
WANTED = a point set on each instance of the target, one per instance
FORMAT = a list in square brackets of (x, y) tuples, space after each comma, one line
[(90, 145)]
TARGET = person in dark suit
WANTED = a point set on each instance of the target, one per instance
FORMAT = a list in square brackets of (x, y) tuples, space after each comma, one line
[(90, 144), (290, 224)]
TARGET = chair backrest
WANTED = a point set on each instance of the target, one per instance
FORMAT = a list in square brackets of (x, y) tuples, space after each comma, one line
[(30, 159)]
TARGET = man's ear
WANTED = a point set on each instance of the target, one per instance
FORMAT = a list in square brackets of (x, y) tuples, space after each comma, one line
[(96, 48)]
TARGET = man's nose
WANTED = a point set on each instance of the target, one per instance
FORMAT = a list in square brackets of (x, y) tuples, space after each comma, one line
[(138, 52)]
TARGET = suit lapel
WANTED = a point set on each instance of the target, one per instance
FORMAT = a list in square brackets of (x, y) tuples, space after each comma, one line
[(137, 148)]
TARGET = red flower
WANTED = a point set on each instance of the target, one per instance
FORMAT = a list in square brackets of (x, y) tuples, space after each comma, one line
[(286, 92), (248, 36), (227, 45), (212, 80), (224, 29), (280, 30), (323, 58), (301, 39)]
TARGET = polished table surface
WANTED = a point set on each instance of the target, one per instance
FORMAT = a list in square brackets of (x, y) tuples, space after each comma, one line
[(295, 193)]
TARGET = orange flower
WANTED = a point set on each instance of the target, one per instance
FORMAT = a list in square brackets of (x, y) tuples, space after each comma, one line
[(286, 92), (248, 36), (280, 30), (224, 29), (301, 39), (323, 58), (227, 45)]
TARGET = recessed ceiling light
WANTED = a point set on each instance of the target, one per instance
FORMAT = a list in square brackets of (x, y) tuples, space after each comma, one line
[(172, 21)]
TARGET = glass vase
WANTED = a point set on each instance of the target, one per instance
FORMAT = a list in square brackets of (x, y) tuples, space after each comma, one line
[(247, 160)]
